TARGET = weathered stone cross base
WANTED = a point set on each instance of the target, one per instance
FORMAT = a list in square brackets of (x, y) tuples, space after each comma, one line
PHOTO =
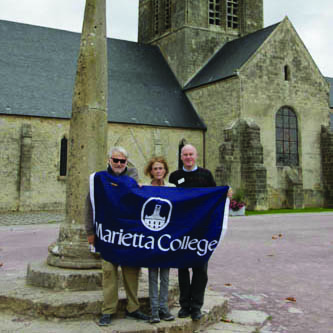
[(56, 300), (43, 308)]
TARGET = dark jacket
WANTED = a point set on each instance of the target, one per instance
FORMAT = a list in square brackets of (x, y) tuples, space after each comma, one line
[(89, 225)]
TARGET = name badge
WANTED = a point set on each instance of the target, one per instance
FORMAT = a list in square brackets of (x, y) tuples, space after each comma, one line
[(181, 181)]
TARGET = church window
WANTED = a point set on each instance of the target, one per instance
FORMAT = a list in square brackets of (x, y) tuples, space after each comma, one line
[(286, 137), (167, 14), (156, 16), (63, 156), (232, 14), (180, 147), (214, 11), (286, 73)]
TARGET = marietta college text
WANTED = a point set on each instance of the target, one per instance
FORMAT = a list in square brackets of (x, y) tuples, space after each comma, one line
[(164, 242)]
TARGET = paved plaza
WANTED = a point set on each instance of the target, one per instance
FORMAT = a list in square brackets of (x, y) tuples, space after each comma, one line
[(278, 264)]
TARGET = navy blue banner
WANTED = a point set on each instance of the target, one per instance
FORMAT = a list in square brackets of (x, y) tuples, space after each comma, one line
[(156, 226)]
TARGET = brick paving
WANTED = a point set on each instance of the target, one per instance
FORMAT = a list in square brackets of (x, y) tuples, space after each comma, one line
[(26, 218), (263, 261)]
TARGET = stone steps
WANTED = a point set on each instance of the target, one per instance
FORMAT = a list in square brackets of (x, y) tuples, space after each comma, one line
[(67, 310), (214, 309), (19, 297)]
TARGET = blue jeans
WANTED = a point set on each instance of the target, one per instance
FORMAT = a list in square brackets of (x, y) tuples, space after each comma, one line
[(158, 301)]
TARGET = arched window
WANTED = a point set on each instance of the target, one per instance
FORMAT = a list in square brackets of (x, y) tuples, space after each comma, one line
[(63, 156), (180, 147), (286, 137)]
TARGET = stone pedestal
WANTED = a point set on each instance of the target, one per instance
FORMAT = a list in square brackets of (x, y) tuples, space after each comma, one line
[(54, 278)]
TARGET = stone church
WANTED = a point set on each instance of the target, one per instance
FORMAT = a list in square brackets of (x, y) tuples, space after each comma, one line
[(206, 72)]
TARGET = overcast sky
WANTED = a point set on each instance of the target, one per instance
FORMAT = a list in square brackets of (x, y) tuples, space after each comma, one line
[(313, 20)]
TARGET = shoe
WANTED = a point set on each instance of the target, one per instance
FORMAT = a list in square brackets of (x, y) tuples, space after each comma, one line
[(105, 320), (184, 312), (166, 315), (196, 315), (154, 319), (137, 315)]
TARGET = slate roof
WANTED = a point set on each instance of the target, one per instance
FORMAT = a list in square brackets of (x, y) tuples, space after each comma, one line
[(37, 70), (230, 58)]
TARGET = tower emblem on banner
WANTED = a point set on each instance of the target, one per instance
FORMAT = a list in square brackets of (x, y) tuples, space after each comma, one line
[(156, 213)]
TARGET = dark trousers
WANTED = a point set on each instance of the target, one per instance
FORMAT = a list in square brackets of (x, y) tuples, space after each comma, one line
[(192, 292)]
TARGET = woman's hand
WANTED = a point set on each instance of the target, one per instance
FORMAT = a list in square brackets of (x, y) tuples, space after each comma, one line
[(91, 239)]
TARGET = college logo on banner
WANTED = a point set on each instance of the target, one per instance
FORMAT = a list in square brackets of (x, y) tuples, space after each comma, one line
[(156, 213), (156, 226)]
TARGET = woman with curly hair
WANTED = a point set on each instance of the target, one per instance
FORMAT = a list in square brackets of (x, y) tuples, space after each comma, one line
[(157, 169)]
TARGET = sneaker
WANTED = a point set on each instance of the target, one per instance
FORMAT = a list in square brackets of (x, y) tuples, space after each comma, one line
[(137, 315), (196, 315), (166, 315), (105, 320), (154, 319), (184, 312)]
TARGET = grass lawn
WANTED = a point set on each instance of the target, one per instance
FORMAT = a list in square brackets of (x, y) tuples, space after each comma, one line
[(289, 211)]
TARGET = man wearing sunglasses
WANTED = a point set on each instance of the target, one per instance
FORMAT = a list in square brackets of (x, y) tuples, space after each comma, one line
[(117, 166)]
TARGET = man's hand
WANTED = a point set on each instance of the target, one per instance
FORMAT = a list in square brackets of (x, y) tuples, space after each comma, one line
[(230, 193), (91, 239)]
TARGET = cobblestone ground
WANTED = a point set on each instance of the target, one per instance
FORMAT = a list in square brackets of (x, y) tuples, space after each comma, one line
[(26, 218)]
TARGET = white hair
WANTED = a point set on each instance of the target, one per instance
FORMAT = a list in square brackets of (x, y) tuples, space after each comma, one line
[(118, 149)]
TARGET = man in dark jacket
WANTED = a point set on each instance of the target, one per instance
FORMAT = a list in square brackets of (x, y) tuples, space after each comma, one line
[(192, 293)]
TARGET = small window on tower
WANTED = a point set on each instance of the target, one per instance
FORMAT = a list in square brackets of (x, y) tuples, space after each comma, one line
[(214, 13), (167, 14), (286, 73), (232, 14), (156, 16)]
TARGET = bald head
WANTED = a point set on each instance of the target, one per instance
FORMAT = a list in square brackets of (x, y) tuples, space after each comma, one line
[(189, 156)]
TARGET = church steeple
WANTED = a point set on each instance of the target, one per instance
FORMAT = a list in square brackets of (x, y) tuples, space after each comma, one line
[(189, 31)]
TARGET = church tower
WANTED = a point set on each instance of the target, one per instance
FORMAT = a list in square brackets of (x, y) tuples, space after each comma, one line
[(188, 32)]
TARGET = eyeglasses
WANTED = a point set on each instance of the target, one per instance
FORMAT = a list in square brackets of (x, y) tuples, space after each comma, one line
[(116, 160)]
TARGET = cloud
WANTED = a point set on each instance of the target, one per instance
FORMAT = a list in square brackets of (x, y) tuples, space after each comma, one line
[(312, 21)]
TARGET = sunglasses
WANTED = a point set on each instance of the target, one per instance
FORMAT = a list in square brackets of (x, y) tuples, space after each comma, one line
[(116, 160)]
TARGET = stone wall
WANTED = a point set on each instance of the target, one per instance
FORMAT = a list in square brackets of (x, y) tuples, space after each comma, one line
[(30, 157), (191, 40), (327, 164), (241, 164), (218, 104), (188, 49), (264, 90), (29, 164)]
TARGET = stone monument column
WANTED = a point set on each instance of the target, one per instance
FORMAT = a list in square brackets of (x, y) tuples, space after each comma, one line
[(87, 140)]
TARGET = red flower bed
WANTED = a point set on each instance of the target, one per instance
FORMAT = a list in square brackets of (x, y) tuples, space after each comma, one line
[(235, 205)]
